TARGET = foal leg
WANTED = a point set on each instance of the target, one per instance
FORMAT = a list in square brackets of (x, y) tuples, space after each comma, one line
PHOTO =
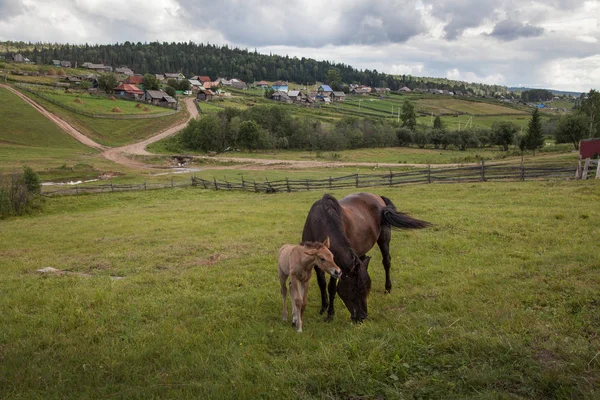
[(282, 282), (323, 288), (384, 245), (296, 292)]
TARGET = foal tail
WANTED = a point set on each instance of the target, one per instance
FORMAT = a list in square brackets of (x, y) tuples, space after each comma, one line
[(394, 218)]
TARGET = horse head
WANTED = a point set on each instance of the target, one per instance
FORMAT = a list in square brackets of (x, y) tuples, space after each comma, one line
[(354, 287), (324, 258)]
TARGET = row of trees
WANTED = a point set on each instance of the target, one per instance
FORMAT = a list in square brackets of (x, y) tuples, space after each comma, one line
[(268, 127), (583, 123), (215, 61)]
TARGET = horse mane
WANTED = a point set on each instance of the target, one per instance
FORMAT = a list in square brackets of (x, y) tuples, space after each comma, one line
[(333, 212), (312, 245)]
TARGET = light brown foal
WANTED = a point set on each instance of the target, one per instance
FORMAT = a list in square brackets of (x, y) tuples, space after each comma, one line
[(297, 262)]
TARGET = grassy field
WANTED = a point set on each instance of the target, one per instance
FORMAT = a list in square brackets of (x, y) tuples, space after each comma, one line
[(498, 300), (89, 103), (112, 132), (29, 138)]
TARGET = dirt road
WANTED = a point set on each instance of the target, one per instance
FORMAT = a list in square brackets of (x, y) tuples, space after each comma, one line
[(119, 154)]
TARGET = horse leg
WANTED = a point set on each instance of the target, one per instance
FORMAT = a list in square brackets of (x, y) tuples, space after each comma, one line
[(332, 291), (298, 300), (323, 288), (294, 295), (384, 245), (282, 283)]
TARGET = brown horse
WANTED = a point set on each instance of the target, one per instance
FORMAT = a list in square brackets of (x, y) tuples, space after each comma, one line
[(297, 262), (354, 225)]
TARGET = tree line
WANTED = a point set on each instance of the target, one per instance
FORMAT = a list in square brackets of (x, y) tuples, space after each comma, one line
[(274, 127), (222, 61)]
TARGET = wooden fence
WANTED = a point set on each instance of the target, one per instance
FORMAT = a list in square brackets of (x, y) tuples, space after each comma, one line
[(484, 172), (92, 115)]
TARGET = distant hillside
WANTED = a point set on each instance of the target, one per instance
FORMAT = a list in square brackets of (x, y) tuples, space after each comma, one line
[(555, 92), (226, 62)]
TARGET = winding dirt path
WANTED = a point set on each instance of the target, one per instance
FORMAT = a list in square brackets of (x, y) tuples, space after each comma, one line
[(119, 154)]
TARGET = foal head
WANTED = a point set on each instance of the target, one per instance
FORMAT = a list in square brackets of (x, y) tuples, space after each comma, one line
[(323, 257)]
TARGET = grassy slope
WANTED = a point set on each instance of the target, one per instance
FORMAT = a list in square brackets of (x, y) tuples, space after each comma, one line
[(112, 132), (497, 300), (29, 138)]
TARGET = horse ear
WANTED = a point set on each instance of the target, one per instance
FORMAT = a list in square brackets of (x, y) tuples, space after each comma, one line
[(326, 243), (310, 252)]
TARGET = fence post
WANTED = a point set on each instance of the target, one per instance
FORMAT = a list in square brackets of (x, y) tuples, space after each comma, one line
[(598, 169), (255, 190), (307, 186), (356, 175), (578, 170), (76, 189), (428, 173), (522, 169), (243, 183), (215, 181), (586, 167), (145, 185), (330, 183), (482, 170), (287, 183), (391, 176), (112, 188), (192, 179)]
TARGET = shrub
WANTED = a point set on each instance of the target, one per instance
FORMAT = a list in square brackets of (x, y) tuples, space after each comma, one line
[(19, 193)]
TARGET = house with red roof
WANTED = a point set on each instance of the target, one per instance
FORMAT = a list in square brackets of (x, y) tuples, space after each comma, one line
[(129, 90)]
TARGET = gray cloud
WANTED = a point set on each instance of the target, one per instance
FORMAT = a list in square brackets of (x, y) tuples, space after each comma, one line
[(10, 8), (267, 23), (509, 29), (461, 15)]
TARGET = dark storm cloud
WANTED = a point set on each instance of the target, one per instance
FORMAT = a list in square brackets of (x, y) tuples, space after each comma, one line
[(10, 8), (508, 30), (294, 23)]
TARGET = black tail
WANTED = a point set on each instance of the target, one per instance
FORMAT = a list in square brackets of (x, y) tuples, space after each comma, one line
[(394, 218)]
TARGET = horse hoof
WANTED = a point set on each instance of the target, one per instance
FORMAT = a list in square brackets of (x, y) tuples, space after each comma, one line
[(329, 318), (387, 291), (323, 310)]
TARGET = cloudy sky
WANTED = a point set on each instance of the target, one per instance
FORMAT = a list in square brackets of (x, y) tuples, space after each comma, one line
[(551, 43)]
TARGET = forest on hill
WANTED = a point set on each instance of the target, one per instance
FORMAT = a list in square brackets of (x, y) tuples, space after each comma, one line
[(225, 62)]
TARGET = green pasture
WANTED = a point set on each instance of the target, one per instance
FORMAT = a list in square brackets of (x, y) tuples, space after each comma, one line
[(497, 300), (27, 137), (89, 103), (113, 132)]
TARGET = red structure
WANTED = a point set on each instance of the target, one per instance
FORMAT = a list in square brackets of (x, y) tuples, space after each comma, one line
[(589, 148)]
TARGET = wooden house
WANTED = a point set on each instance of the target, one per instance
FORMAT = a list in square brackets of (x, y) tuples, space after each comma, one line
[(280, 86), (205, 95), (281, 96), (129, 90), (338, 96)]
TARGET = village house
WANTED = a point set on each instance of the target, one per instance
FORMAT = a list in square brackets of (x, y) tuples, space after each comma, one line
[(65, 64), (361, 90), (205, 95), (404, 89), (338, 96), (280, 86), (196, 84), (56, 63), (238, 84), (19, 58), (324, 91), (129, 91), (295, 95), (137, 80), (382, 90), (159, 98), (202, 78), (174, 75), (124, 71), (281, 96), (262, 84), (159, 77)]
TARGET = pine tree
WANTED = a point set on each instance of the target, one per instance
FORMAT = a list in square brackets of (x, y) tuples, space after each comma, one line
[(534, 139)]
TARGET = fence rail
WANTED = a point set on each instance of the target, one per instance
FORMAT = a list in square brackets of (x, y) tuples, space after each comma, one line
[(26, 87), (475, 173)]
